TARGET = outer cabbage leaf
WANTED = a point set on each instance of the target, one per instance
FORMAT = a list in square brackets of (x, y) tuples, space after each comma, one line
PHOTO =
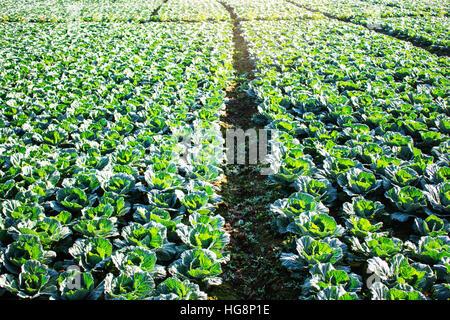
[(441, 291), (442, 269)]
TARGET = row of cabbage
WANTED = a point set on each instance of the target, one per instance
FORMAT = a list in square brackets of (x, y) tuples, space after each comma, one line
[(101, 193), (111, 10), (356, 10), (363, 9), (424, 23), (362, 152), (266, 9), (433, 7), (431, 32), (78, 10), (193, 10)]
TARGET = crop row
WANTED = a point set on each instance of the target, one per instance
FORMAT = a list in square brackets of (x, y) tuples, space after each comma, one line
[(101, 193), (143, 11), (193, 10), (359, 9), (77, 10), (267, 9), (424, 23), (111, 11), (431, 32), (362, 152), (432, 7)]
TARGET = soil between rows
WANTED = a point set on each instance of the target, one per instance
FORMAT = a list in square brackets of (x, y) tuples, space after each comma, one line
[(254, 271)]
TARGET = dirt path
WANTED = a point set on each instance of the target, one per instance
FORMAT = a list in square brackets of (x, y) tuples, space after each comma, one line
[(254, 270)]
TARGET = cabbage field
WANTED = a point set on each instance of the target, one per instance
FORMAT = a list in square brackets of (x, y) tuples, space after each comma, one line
[(114, 177)]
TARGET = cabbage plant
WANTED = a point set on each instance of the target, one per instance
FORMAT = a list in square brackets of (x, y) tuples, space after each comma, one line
[(88, 182), (152, 236), (26, 247), (175, 289), (120, 206), (48, 230), (162, 180), (321, 189), (439, 198), (197, 201), (91, 254), (290, 169), (407, 199), (198, 265), (72, 199), (401, 176), (311, 252), (215, 222), (15, 211), (381, 162), (399, 270), (362, 227), (356, 182), (297, 204), (432, 226), (129, 286), (377, 245), (203, 236), (145, 214), (334, 167), (430, 249), (336, 293), (137, 259), (435, 174), (325, 275), (35, 280), (364, 208), (315, 225), (120, 183), (77, 285), (102, 227), (379, 291)]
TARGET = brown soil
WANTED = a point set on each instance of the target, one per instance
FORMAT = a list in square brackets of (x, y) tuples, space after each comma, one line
[(254, 270)]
